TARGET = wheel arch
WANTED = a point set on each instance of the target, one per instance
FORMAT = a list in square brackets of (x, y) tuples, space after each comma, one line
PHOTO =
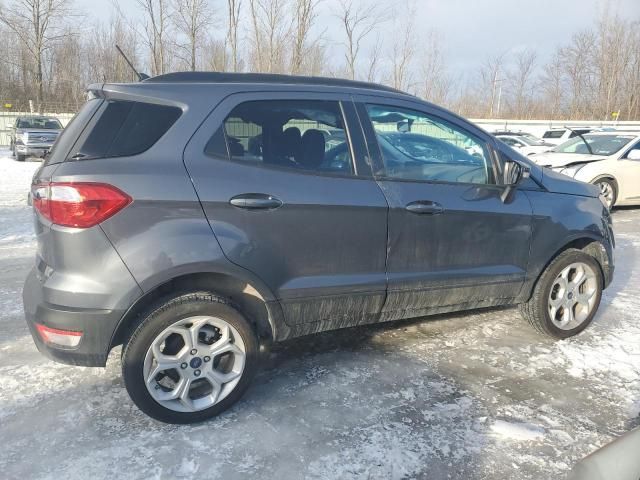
[(592, 246), (250, 299)]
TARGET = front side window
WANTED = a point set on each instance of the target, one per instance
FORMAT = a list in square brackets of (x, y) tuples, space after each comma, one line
[(303, 135), (417, 146)]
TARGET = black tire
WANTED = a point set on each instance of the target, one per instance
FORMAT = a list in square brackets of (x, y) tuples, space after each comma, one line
[(536, 311), (165, 313), (20, 158), (610, 183)]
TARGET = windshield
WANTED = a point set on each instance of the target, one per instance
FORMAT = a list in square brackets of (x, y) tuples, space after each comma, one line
[(531, 140), (44, 123), (598, 144)]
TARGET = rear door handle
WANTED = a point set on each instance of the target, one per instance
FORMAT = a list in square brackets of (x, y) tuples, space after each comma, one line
[(256, 201), (425, 207)]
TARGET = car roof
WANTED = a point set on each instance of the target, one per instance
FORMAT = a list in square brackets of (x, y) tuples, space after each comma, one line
[(635, 133), (266, 78)]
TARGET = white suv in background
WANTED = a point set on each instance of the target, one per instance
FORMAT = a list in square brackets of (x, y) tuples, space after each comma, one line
[(525, 145), (558, 135), (610, 160)]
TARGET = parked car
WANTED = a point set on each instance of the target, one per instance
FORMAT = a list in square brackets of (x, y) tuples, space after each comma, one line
[(610, 160), (558, 135), (33, 136), (185, 218), (519, 133), (525, 145)]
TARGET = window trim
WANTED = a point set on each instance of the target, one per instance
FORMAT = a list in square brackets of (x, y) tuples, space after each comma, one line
[(247, 98), (374, 145)]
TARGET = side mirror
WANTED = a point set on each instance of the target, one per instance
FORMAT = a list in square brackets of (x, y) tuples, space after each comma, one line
[(634, 154), (514, 173)]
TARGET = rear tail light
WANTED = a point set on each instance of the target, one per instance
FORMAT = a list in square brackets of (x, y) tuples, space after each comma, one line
[(80, 205), (62, 338)]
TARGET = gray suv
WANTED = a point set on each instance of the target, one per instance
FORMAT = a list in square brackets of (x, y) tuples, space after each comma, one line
[(33, 136), (193, 216)]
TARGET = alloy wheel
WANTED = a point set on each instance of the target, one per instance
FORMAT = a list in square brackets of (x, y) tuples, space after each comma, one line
[(606, 190), (573, 296), (194, 363)]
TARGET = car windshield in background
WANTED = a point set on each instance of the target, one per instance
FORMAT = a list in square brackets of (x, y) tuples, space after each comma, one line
[(44, 123), (531, 141), (598, 144)]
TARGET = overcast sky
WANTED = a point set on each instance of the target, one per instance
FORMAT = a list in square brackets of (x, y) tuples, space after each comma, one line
[(473, 30)]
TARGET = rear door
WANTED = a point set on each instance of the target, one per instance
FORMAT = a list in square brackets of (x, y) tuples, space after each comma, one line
[(452, 240), (287, 191)]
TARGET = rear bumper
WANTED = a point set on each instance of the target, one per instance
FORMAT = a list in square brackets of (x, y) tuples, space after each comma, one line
[(97, 326)]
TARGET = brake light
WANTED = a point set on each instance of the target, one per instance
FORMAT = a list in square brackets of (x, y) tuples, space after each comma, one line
[(80, 205), (62, 338)]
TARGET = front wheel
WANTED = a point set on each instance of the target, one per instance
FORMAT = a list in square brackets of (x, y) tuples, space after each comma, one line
[(566, 296), (608, 191), (190, 359)]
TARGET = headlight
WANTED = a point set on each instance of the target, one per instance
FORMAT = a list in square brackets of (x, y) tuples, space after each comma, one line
[(25, 137), (572, 170)]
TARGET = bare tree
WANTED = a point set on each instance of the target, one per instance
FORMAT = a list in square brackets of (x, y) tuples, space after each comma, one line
[(403, 49), (304, 18), (192, 19), (436, 83), (38, 24), (358, 22), (156, 15), (271, 29), (233, 21), (552, 87), (491, 81), (374, 60), (579, 70), (520, 82)]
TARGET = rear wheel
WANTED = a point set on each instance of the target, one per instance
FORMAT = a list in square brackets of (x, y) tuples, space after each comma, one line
[(190, 359), (608, 190), (567, 295)]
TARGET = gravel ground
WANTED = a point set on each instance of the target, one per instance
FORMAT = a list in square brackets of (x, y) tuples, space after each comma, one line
[(476, 395)]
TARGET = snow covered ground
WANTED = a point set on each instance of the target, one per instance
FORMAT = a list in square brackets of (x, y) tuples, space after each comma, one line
[(473, 396)]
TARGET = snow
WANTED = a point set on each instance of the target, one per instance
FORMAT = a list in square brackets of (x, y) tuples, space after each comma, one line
[(470, 395)]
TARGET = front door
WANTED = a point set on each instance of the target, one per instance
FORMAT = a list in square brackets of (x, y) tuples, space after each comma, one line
[(453, 241), (286, 189)]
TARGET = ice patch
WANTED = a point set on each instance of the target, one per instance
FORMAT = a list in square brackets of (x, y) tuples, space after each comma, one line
[(517, 431)]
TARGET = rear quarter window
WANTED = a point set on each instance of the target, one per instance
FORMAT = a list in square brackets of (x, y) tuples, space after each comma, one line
[(125, 129), (553, 134)]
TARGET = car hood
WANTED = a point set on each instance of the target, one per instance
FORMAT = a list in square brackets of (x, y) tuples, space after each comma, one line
[(553, 160), (557, 182)]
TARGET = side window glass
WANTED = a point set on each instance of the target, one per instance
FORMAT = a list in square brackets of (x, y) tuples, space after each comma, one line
[(417, 146), (304, 135)]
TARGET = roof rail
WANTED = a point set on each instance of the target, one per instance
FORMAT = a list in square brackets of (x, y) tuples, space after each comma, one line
[(224, 77)]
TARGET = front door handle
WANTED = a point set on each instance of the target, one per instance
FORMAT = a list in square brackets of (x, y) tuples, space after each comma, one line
[(425, 207), (256, 201)]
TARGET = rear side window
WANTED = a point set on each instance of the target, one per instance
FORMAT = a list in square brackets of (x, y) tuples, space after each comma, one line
[(297, 134), (73, 130), (553, 134), (126, 128)]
